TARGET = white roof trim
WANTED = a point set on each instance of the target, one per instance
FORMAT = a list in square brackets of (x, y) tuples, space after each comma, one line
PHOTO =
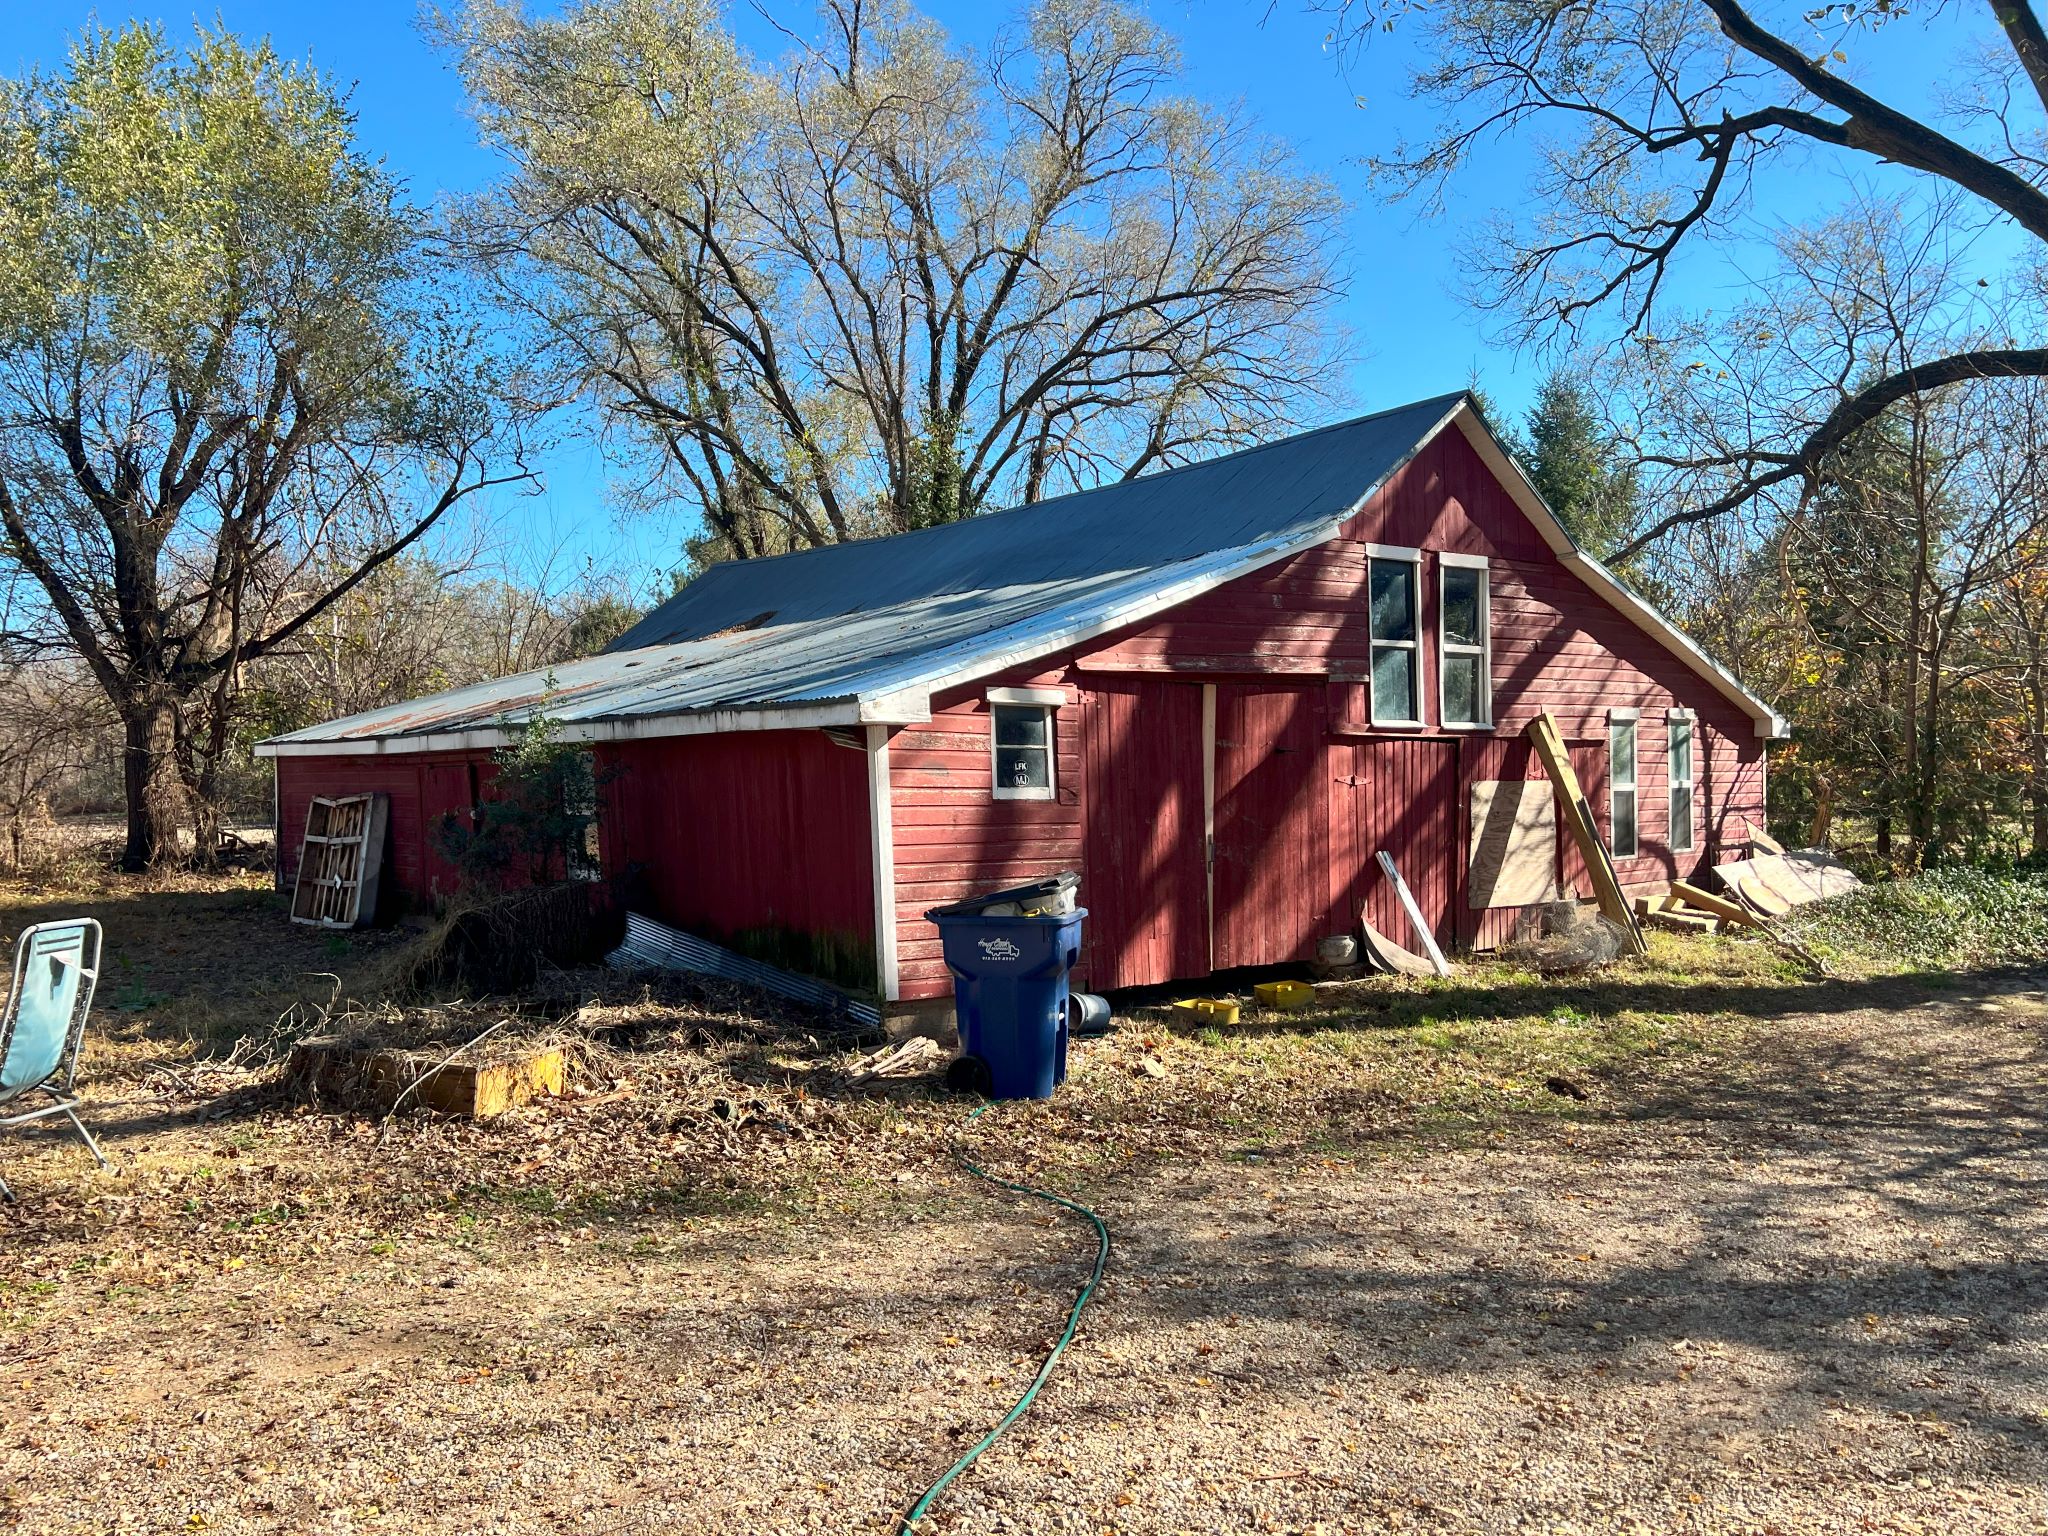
[(1770, 725), (891, 709)]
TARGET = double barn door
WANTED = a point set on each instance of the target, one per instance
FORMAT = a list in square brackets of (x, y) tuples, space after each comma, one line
[(1226, 829)]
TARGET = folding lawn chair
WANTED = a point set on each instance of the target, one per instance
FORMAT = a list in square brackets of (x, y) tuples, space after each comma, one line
[(55, 968)]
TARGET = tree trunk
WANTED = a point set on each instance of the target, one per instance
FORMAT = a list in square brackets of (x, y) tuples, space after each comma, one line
[(151, 784)]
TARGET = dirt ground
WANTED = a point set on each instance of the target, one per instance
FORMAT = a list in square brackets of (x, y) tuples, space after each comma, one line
[(1784, 1280)]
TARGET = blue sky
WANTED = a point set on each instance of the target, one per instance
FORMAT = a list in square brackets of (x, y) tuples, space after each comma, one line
[(1415, 336)]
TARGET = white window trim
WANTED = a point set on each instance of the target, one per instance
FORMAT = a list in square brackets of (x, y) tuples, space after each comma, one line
[(1413, 559), (1002, 791), (1054, 697), (1483, 650), (1690, 782), (1627, 717)]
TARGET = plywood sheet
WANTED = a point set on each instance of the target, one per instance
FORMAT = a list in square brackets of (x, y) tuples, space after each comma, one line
[(1513, 857)]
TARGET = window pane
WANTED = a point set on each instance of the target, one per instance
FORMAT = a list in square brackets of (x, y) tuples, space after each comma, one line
[(1393, 600), (1020, 725), (1023, 768), (1461, 690), (1621, 752), (1461, 605), (1624, 824), (1393, 684), (1681, 751), (1681, 816)]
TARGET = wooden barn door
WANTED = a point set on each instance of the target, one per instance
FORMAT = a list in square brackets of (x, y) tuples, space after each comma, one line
[(1144, 883), (1400, 795), (1271, 876)]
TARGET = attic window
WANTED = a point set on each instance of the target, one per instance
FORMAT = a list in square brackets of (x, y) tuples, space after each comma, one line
[(1394, 597), (1465, 642)]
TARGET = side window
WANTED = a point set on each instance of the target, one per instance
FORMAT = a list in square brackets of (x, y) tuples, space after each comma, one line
[(1621, 784), (1680, 762), (1463, 669), (580, 809), (1394, 595), (1022, 741)]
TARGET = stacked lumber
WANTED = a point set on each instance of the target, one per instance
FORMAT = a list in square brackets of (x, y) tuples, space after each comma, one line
[(1685, 908), (1766, 885)]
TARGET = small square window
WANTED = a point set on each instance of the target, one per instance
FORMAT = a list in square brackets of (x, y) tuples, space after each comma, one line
[(1022, 742)]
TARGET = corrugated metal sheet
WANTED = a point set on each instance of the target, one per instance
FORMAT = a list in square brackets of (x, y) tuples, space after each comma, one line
[(652, 945), (854, 624), (1155, 521)]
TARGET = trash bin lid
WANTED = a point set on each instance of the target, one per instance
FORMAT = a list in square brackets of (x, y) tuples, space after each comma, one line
[(1041, 897)]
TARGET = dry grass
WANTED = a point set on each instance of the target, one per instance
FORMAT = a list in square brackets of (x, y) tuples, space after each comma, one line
[(1372, 1270)]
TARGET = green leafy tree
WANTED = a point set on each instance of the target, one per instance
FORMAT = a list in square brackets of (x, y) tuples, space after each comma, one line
[(232, 385)]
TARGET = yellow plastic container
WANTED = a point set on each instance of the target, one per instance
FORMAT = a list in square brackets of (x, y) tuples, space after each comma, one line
[(1285, 996), (1211, 1010)]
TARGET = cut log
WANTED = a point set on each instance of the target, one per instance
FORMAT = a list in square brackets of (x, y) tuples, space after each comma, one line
[(1719, 906)]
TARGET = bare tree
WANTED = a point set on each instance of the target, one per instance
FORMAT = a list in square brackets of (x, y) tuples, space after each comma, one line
[(885, 283), (53, 726), (1652, 121), (231, 389)]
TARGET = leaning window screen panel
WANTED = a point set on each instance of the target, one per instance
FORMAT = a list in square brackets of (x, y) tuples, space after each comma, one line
[(1621, 787), (1023, 751), (1462, 644), (1680, 762), (1396, 657)]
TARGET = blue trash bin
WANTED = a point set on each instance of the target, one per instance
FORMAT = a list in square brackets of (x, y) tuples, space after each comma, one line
[(1010, 991)]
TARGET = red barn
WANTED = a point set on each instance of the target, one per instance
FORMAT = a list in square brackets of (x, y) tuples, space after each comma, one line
[(1216, 692)]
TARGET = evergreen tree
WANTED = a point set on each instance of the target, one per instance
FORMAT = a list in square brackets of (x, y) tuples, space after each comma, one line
[(1571, 461)]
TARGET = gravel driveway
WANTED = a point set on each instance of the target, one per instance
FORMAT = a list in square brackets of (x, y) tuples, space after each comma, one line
[(1802, 1293)]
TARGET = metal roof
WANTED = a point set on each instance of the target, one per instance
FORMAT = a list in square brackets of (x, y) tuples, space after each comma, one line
[(866, 632)]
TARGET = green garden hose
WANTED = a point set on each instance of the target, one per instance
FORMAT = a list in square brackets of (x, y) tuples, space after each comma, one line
[(1022, 1405)]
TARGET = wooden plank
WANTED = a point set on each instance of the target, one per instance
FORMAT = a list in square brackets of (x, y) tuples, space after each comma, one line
[(1720, 906), (1436, 956), (1550, 750)]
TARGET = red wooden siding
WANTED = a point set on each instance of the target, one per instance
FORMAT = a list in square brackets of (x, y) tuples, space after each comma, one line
[(1400, 794), (757, 830), (413, 867), (952, 839), (1271, 896), (1147, 889)]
